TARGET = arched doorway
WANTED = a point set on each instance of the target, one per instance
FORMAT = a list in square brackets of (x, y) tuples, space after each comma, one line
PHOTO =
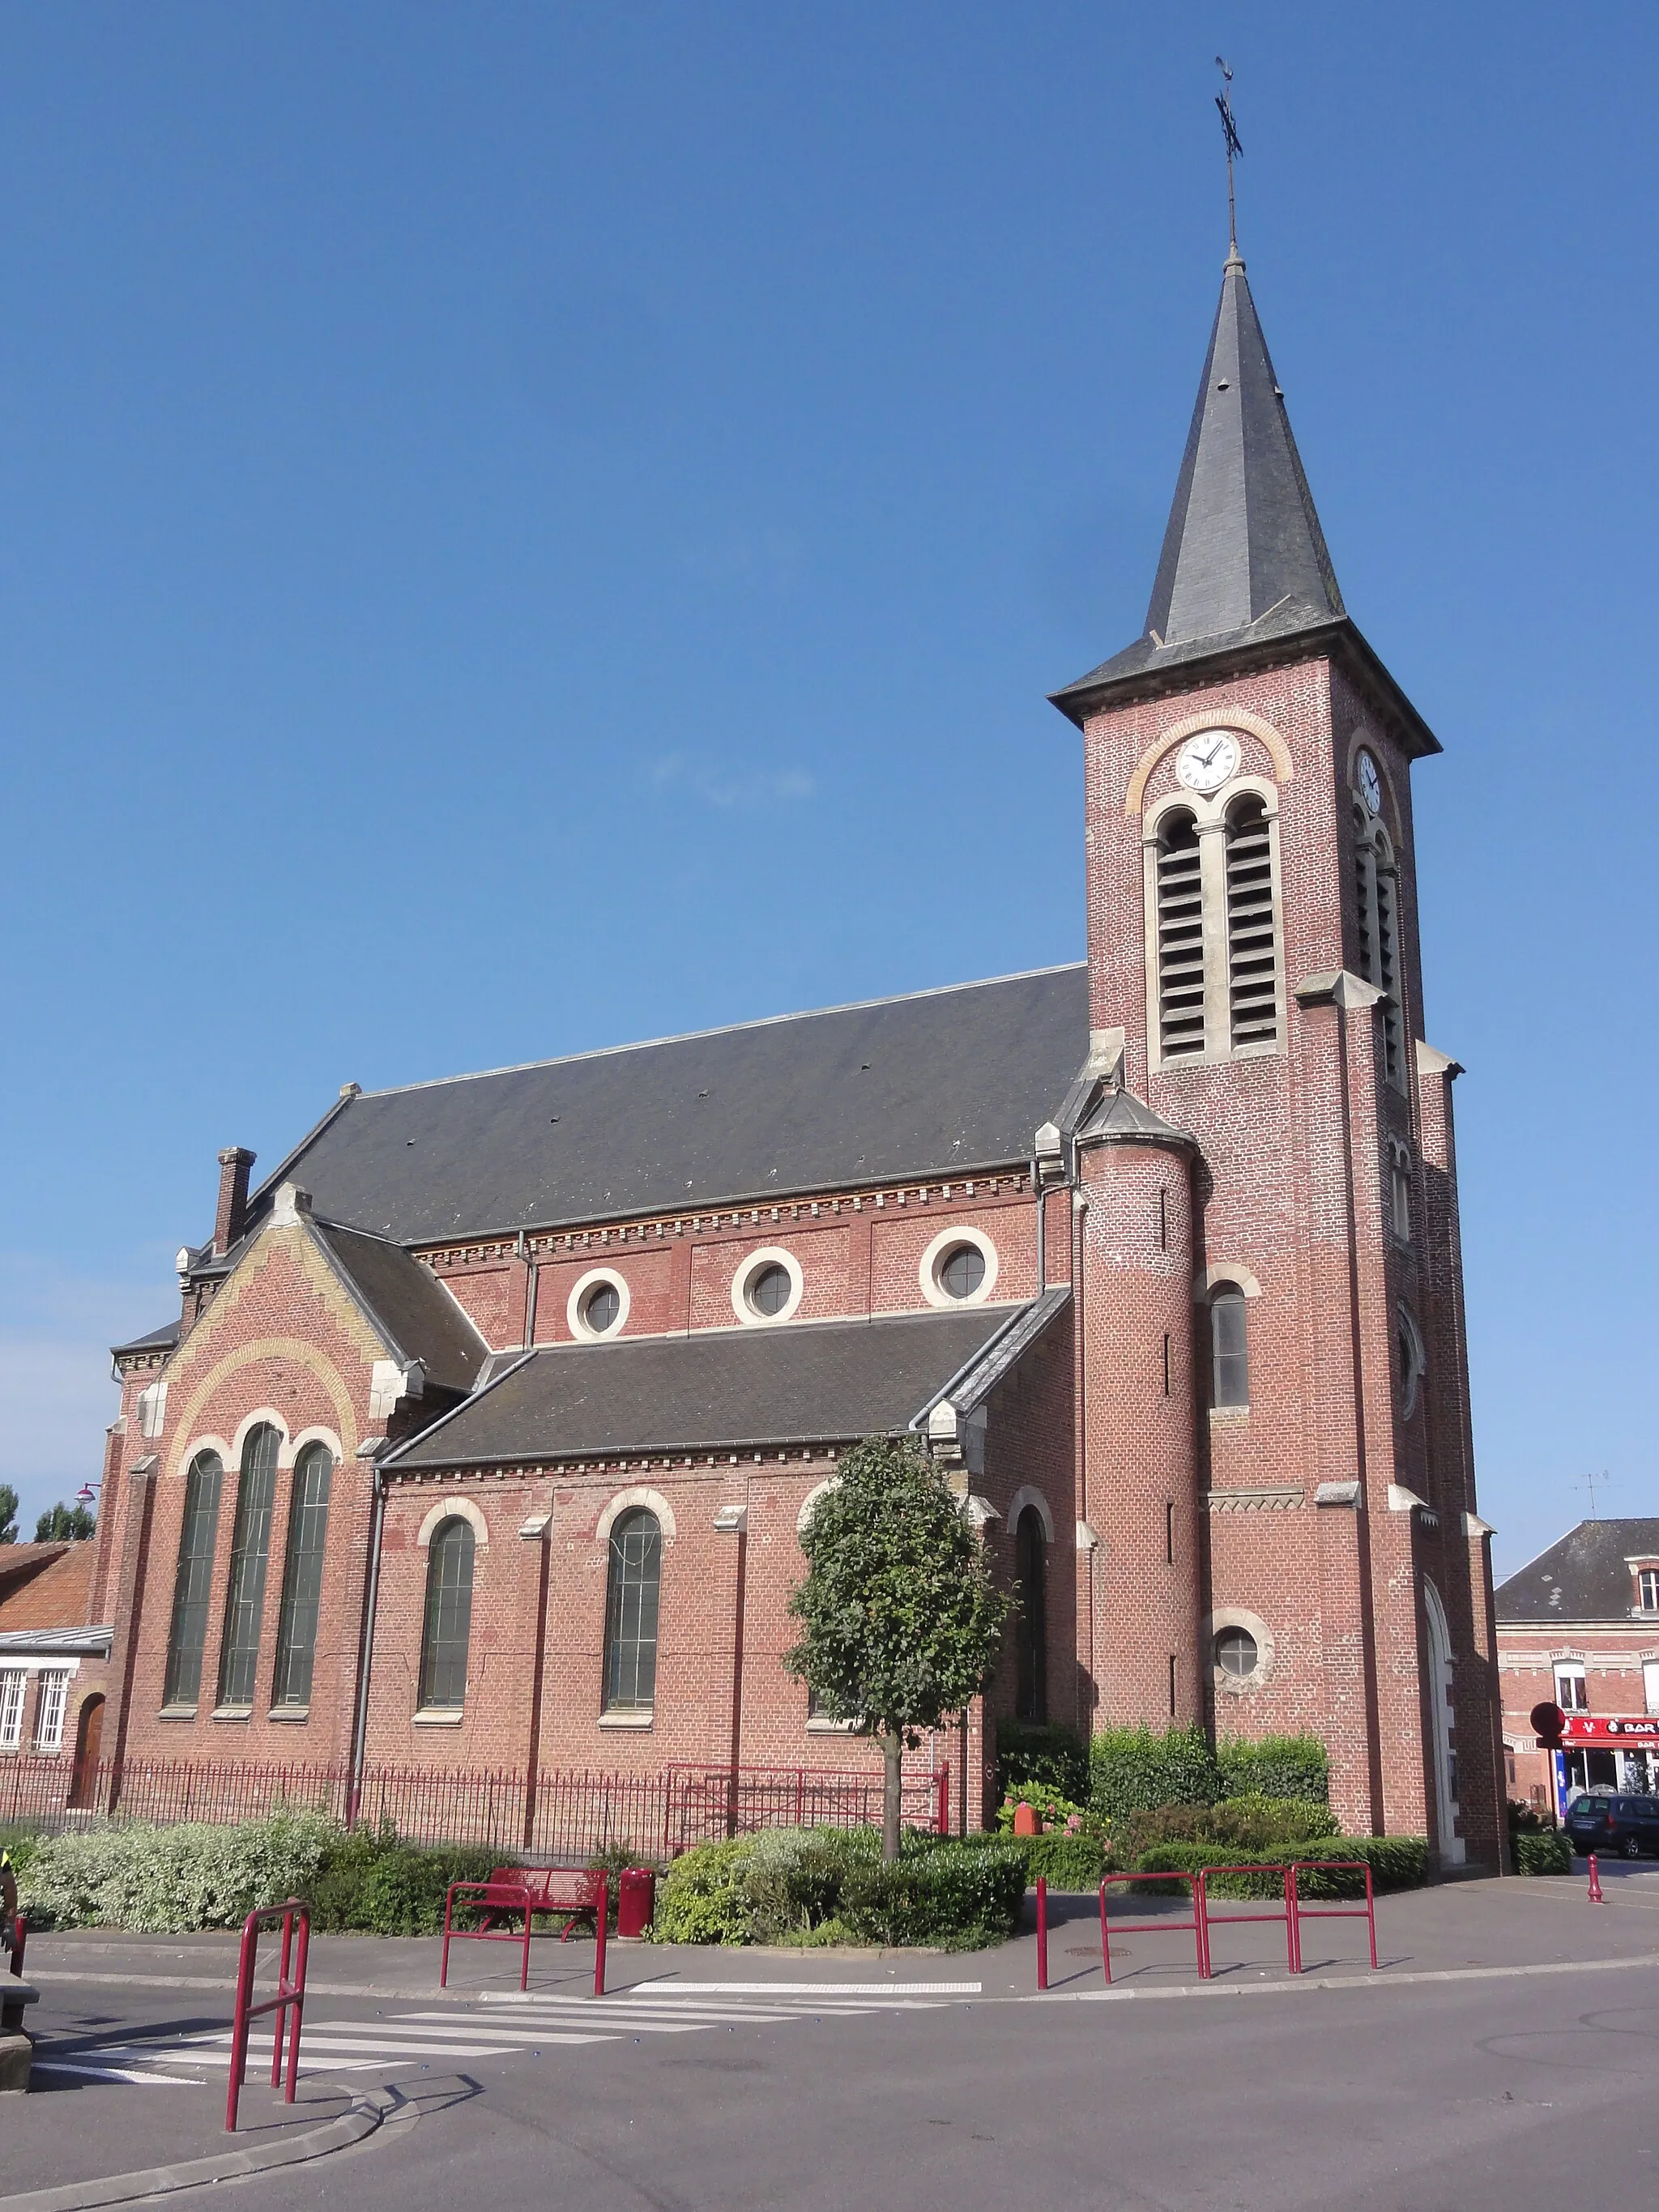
[(89, 1744), (1443, 1717), (1031, 1687)]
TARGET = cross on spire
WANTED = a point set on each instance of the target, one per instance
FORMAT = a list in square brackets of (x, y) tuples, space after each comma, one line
[(1235, 150)]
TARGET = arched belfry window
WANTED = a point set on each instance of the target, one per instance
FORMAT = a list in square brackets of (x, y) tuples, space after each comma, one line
[(633, 1590), (1377, 927), (1215, 964), (193, 1582), (446, 1627), (1252, 938), (1179, 894), (1229, 1348), (1031, 1687)]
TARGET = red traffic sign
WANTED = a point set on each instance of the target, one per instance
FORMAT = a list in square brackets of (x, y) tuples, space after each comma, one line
[(1549, 1721)]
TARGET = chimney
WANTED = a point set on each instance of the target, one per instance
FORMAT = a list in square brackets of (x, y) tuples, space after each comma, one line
[(232, 1196)]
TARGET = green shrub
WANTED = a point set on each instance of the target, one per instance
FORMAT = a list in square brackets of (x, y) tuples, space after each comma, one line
[(174, 1880), (1542, 1851), (701, 1898), (371, 1884), (1395, 1861), (1188, 1858), (1270, 1824), (1131, 1770), (1275, 1766), (1054, 1757), (959, 1899), (1064, 1861)]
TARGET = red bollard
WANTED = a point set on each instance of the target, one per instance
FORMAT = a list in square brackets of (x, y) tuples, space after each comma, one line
[(1595, 1896), (602, 1913), (20, 1937), (1042, 1933)]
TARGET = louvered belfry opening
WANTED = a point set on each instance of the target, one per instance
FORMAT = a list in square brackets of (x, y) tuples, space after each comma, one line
[(1364, 894), (1388, 964), (1180, 940), (1252, 949)]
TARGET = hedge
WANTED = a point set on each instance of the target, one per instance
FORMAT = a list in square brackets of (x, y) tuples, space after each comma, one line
[(1131, 1770), (1046, 1755), (1395, 1861), (1275, 1766), (1548, 1852), (829, 1885)]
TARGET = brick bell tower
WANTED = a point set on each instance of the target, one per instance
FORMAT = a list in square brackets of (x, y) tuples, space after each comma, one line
[(1277, 1472)]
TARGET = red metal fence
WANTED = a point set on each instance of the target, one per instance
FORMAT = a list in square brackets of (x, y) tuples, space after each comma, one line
[(552, 1815)]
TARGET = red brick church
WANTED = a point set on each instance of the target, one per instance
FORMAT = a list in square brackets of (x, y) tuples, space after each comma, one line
[(490, 1420)]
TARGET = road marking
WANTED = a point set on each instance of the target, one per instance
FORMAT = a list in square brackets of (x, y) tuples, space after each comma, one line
[(666, 1988), (146, 2081)]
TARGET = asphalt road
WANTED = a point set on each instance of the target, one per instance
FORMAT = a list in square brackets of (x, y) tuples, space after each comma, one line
[(1515, 2068)]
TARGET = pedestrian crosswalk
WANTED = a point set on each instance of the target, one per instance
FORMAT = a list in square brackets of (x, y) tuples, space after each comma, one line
[(489, 2027)]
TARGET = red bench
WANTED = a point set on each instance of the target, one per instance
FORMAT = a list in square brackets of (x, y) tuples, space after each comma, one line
[(512, 1891)]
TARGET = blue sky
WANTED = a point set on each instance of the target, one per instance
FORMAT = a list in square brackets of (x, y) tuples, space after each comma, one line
[(523, 527)]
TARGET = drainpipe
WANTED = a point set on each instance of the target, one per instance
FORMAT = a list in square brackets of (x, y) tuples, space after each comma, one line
[(373, 1447)]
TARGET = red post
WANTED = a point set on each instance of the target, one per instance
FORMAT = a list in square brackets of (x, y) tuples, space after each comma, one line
[(20, 1937), (602, 1913), (1595, 1896), (1042, 1933), (289, 1998), (942, 1814)]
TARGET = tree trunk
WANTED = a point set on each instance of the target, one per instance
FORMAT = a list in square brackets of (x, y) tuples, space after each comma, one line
[(892, 1750)]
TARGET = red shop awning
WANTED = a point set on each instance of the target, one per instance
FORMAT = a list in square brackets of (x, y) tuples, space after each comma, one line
[(1614, 1730)]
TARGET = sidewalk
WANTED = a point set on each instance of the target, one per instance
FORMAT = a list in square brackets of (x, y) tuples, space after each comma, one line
[(1459, 1925)]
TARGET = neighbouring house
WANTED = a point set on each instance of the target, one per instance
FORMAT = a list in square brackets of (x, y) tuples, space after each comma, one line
[(487, 1427), (52, 1663), (1579, 1628)]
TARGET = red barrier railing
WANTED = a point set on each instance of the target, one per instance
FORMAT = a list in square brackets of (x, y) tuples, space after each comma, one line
[(1194, 1926), (1300, 1911), (287, 2003), (1286, 1914), (1042, 1933), (493, 1898)]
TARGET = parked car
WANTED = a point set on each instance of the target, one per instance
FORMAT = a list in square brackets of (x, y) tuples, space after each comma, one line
[(1629, 1825)]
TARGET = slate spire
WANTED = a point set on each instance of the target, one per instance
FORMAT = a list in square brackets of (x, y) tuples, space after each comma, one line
[(1244, 560), (1243, 539)]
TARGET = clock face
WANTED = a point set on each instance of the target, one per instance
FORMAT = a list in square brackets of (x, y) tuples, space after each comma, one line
[(1205, 761), (1371, 783)]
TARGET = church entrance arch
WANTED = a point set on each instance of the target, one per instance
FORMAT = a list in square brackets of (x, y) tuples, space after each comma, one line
[(1441, 1718), (89, 1745)]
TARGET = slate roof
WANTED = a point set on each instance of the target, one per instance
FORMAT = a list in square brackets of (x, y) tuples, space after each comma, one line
[(415, 1313), (1121, 1118), (1582, 1577), (803, 1383), (941, 1082), (155, 1339)]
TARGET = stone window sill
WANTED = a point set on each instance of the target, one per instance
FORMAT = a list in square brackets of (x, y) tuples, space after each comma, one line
[(231, 1713), (177, 1713), (627, 1720), (289, 1713), (1229, 1417), (821, 1724), (440, 1717)]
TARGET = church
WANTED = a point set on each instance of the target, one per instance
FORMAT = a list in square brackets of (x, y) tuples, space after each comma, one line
[(488, 1425)]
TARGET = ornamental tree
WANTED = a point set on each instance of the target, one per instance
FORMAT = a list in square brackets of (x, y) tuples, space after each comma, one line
[(901, 1625)]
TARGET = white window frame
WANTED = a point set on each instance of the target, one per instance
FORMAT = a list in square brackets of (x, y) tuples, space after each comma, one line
[(14, 1695), (52, 1709), (1571, 1670)]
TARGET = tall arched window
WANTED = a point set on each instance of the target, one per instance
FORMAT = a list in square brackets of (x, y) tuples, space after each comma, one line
[(1032, 1688), (249, 1553), (1252, 944), (302, 1576), (630, 1615), (447, 1629), (192, 1581), (1377, 904), (1229, 1348), (1180, 939)]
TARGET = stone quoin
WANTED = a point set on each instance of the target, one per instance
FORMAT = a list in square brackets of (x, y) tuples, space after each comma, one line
[(491, 1417)]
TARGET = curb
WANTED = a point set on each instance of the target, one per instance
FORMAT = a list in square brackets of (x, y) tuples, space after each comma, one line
[(365, 2115)]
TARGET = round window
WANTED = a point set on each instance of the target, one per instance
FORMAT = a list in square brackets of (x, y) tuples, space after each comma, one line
[(603, 1308), (1236, 1652), (962, 1270), (767, 1293)]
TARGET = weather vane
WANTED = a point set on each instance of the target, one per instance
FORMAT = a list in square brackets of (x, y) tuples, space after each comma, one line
[(1235, 148)]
